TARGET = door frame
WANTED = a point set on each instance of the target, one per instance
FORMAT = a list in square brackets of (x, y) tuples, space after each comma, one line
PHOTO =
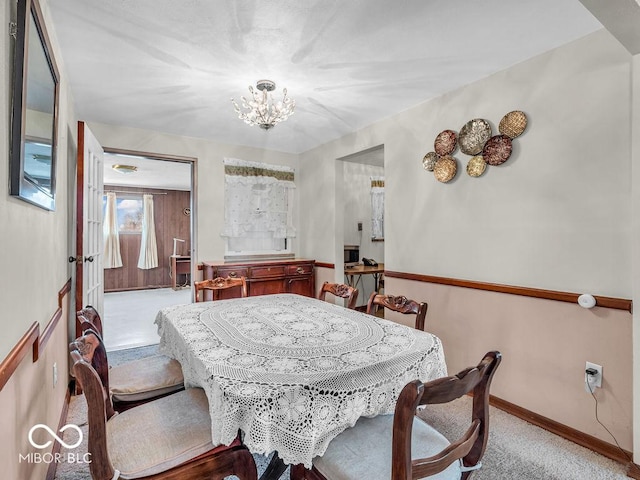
[(79, 211), (193, 204)]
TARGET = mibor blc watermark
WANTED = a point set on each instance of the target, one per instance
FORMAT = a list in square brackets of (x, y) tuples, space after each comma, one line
[(48, 457)]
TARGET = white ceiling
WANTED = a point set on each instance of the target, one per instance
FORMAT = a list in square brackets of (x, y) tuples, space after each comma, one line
[(151, 173), (172, 66)]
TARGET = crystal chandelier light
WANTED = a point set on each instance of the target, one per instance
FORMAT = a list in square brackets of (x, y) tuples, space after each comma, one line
[(260, 108)]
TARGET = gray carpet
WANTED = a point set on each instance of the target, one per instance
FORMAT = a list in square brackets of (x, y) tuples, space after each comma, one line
[(516, 449)]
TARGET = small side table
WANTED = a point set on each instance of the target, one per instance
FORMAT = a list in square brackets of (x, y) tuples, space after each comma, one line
[(180, 265)]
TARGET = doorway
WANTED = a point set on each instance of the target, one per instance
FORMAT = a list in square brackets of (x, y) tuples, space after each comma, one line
[(358, 184), (140, 284)]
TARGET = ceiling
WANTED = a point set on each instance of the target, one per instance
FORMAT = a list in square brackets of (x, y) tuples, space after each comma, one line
[(173, 66), (150, 173)]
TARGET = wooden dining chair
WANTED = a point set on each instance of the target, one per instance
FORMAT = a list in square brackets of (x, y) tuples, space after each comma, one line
[(135, 382), (340, 290), (90, 316), (216, 285), (399, 304), (167, 438), (403, 446)]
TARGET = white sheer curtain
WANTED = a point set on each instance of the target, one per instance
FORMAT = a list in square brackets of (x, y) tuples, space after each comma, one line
[(112, 257), (377, 207), (148, 245), (258, 206)]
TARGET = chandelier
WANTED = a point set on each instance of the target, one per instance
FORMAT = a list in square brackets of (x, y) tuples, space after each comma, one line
[(260, 108)]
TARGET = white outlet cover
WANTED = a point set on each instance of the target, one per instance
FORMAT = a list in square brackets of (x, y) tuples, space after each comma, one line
[(597, 381)]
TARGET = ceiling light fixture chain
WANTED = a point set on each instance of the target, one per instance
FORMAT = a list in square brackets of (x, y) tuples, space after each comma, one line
[(261, 109)]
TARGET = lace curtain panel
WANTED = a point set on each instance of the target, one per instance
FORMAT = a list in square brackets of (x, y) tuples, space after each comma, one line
[(377, 207), (258, 205), (112, 257), (148, 246)]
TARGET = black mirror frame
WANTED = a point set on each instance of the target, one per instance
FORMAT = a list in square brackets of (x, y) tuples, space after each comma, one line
[(19, 185)]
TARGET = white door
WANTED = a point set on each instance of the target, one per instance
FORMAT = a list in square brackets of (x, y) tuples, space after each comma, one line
[(89, 239)]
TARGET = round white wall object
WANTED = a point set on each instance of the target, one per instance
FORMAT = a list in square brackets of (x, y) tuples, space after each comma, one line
[(586, 301)]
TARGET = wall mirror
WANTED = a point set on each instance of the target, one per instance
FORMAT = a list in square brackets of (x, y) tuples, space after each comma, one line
[(35, 110)]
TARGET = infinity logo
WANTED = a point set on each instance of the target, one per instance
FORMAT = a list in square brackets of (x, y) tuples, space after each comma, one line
[(56, 437)]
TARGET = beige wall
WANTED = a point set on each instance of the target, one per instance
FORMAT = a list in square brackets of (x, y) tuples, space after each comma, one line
[(36, 242), (635, 157), (323, 275), (210, 174), (557, 216), (544, 344), (30, 398), (34, 249)]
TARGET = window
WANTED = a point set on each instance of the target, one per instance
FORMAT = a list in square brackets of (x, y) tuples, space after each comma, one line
[(129, 213), (377, 208), (258, 208)]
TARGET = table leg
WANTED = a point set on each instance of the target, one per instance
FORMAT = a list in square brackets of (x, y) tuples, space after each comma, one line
[(275, 468), (349, 279)]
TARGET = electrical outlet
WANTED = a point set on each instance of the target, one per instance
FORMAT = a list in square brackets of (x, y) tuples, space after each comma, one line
[(359, 226), (591, 382), (55, 374)]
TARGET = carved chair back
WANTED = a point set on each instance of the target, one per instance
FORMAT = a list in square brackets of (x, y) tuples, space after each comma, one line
[(97, 401), (215, 285), (218, 463), (90, 318), (471, 446), (92, 350), (340, 290), (468, 449), (399, 304)]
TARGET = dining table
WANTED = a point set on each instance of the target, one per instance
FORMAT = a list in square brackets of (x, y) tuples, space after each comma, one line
[(292, 372)]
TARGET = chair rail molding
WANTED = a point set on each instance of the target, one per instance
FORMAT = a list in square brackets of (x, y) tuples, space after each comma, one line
[(32, 340), (605, 302)]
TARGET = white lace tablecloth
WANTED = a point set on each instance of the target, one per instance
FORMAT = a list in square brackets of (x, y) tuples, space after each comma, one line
[(293, 372)]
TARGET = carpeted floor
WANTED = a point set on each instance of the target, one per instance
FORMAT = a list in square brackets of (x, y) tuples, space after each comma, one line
[(516, 449)]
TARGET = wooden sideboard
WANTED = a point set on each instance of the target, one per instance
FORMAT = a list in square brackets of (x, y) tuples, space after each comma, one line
[(268, 277)]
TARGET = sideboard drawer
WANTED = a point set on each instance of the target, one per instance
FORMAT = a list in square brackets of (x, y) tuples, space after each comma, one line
[(268, 277), (305, 269), (233, 272), (267, 272)]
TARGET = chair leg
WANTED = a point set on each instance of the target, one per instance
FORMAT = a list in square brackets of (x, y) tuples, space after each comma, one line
[(298, 472), (237, 461), (245, 466), (275, 469)]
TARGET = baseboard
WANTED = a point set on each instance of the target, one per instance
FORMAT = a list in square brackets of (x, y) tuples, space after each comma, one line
[(135, 289), (51, 471), (634, 471), (588, 441)]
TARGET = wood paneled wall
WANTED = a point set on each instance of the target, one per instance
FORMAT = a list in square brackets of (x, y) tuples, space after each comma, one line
[(170, 222)]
